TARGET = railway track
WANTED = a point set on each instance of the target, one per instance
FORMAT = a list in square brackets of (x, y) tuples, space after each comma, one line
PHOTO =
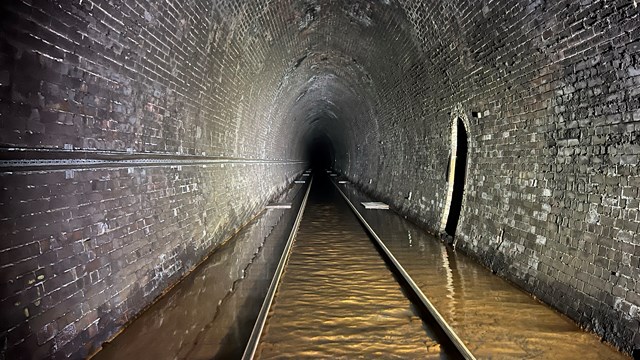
[(339, 292)]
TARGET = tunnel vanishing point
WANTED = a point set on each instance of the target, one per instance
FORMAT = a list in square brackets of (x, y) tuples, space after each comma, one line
[(137, 135)]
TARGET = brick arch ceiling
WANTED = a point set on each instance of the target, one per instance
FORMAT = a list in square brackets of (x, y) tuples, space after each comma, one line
[(556, 84), (332, 69)]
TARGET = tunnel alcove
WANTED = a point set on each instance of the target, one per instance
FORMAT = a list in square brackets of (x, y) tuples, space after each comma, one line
[(459, 158)]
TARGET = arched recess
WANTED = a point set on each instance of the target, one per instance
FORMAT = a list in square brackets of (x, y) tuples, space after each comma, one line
[(457, 176)]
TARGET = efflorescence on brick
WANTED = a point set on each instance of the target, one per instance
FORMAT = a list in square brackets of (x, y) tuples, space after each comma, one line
[(550, 90)]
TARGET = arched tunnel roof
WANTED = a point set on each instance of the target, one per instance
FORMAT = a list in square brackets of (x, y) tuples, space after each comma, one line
[(187, 78), (137, 135), (323, 68)]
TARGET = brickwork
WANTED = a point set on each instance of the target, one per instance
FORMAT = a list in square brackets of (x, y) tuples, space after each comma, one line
[(84, 250), (81, 256), (549, 91)]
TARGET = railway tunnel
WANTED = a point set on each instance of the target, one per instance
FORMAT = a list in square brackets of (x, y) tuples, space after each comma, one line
[(139, 138)]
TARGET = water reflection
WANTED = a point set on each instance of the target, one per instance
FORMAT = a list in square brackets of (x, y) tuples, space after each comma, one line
[(337, 299), (450, 287), (494, 318), (211, 312)]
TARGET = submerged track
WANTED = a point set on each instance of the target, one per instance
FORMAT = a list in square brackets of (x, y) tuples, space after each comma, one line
[(339, 293)]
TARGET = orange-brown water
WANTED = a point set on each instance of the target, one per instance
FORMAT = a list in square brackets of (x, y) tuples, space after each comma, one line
[(337, 298), (495, 319), (211, 312), (363, 314)]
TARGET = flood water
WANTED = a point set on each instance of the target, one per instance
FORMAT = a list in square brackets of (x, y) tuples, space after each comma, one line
[(495, 319), (337, 298), (210, 314)]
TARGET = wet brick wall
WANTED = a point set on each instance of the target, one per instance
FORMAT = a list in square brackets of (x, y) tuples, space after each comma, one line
[(548, 92), (155, 89)]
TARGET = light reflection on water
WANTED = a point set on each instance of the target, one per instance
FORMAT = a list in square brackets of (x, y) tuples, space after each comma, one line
[(363, 314), (211, 312), (494, 318), (337, 298)]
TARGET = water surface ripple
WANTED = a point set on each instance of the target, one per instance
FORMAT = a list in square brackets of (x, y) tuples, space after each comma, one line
[(337, 298), (494, 318)]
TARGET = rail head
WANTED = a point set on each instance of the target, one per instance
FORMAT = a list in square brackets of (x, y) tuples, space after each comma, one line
[(442, 323), (256, 333)]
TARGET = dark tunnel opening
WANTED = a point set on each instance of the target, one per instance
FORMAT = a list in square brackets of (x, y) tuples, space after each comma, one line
[(320, 153)]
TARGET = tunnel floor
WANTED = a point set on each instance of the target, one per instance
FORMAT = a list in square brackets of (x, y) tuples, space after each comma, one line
[(494, 318), (338, 299)]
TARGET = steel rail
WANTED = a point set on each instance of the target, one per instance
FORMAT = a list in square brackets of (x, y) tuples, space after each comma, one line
[(446, 328), (256, 333)]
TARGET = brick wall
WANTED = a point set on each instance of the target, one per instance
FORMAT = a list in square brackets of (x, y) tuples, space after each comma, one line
[(145, 125), (549, 91), (81, 256)]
